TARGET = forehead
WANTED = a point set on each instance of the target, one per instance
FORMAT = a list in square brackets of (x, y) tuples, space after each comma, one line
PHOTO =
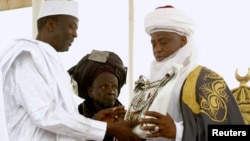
[(68, 18), (106, 76), (163, 34)]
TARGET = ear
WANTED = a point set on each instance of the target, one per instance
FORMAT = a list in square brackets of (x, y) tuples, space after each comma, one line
[(50, 24), (90, 92), (183, 41)]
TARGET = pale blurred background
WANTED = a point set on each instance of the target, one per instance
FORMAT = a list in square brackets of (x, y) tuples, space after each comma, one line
[(222, 35)]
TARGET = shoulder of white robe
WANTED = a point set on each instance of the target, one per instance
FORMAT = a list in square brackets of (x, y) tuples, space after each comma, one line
[(3, 130)]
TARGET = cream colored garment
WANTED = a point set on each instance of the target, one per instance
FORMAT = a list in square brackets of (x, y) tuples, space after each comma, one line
[(39, 101)]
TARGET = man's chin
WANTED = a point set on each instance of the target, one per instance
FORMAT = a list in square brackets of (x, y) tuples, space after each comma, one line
[(108, 105), (64, 50)]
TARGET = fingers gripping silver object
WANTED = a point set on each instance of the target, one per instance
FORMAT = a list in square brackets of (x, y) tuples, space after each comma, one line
[(156, 129)]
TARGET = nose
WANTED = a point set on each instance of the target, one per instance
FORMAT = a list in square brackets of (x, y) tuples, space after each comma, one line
[(74, 33), (157, 48)]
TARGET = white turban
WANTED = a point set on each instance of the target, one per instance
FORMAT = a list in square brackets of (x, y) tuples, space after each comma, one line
[(169, 19), (58, 7)]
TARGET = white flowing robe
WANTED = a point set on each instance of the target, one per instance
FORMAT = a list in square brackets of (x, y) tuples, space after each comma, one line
[(38, 98)]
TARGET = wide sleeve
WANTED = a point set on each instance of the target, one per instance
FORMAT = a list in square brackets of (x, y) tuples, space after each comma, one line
[(206, 100), (37, 94)]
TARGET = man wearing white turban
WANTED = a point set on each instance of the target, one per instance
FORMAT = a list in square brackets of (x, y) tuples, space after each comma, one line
[(37, 100), (180, 98)]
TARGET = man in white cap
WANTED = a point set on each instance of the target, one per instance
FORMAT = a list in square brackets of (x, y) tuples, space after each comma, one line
[(180, 98), (37, 94)]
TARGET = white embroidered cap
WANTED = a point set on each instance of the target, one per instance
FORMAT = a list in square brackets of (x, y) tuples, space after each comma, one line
[(58, 7)]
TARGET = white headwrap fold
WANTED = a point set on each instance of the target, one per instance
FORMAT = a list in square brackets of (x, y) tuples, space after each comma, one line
[(170, 20)]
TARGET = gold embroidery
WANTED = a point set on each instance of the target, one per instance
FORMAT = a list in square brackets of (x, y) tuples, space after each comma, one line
[(213, 100), (211, 75), (212, 96)]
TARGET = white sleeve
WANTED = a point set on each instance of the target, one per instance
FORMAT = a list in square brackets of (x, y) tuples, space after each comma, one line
[(179, 130), (40, 99), (3, 129)]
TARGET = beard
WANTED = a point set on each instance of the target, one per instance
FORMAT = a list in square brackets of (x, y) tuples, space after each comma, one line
[(107, 104)]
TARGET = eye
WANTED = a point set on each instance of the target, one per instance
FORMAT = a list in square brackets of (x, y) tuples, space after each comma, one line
[(115, 88), (74, 26), (163, 42), (103, 87)]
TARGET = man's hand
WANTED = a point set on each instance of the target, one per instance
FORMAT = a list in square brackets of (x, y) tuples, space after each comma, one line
[(122, 130), (111, 114), (158, 125)]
